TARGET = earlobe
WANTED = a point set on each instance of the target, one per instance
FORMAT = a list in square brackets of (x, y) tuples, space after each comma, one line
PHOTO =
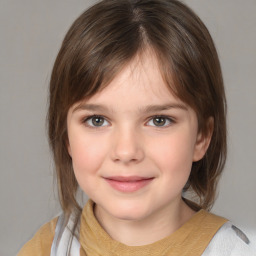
[(203, 141), (69, 151), (68, 148)]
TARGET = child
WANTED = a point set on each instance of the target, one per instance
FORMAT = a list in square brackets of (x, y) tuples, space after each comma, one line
[(137, 120)]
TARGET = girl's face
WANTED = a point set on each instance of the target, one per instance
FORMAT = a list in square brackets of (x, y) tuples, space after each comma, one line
[(133, 144)]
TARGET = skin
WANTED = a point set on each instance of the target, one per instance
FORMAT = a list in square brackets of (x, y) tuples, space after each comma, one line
[(128, 141)]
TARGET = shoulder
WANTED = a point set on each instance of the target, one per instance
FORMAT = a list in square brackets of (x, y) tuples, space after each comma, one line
[(41, 243), (230, 241)]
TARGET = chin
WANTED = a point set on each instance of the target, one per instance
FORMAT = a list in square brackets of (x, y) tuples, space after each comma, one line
[(129, 212)]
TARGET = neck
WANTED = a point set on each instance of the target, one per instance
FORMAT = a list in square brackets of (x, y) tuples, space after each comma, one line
[(149, 230)]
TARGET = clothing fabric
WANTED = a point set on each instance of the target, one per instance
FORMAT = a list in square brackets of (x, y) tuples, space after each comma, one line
[(204, 234), (190, 239), (40, 244), (230, 241), (64, 239)]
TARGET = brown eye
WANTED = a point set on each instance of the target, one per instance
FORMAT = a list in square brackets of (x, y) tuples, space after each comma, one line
[(159, 121), (96, 121)]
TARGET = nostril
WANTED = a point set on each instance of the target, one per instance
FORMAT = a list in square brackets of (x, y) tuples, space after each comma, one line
[(126, 156), (126, 146)]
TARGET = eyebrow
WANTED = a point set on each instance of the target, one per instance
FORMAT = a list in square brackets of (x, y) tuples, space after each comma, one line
[(146, 109), (156, 108)]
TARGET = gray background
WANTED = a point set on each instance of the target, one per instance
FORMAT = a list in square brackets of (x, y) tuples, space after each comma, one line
[(30, 35)]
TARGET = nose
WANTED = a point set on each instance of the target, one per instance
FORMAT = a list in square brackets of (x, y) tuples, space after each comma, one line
[(127, 146)]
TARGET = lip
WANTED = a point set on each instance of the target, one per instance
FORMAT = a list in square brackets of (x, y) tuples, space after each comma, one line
[(128, 184)]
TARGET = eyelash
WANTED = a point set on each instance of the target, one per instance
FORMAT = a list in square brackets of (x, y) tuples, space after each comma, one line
[(167, 119), (88, 118)]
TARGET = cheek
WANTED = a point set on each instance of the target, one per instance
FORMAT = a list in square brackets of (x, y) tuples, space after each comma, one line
[(87, 154), (174, 154), (87, 158), (174, 162)]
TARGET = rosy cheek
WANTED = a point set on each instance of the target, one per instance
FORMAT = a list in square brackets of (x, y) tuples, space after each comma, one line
[(86, 155), (174, 153)]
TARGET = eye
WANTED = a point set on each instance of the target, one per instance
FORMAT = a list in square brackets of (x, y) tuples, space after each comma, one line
[(160, 121), (96, 121)]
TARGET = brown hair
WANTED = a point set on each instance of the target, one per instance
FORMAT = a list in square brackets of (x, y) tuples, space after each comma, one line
[(108, 36)]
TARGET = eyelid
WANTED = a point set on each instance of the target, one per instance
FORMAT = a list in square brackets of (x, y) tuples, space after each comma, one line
[(89, 117), (171, 120)]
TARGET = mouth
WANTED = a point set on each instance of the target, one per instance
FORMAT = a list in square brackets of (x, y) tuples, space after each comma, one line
[(128, 184)]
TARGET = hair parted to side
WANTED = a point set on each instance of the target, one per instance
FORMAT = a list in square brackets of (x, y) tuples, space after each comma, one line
[(108, 36)]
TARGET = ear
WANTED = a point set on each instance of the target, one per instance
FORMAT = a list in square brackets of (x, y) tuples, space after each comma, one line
[(69, 151), (68, 148), (203, 141)]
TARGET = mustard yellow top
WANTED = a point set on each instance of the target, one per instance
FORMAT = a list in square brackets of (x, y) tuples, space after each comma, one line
[(40, 244), (191, 239)]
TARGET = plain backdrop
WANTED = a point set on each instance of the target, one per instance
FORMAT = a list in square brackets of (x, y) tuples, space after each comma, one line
[(31, 32)]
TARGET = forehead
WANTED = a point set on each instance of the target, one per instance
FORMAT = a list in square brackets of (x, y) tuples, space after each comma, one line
[(141, 80)]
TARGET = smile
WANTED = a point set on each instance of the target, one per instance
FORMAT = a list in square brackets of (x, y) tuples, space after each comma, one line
[(128, 184)]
